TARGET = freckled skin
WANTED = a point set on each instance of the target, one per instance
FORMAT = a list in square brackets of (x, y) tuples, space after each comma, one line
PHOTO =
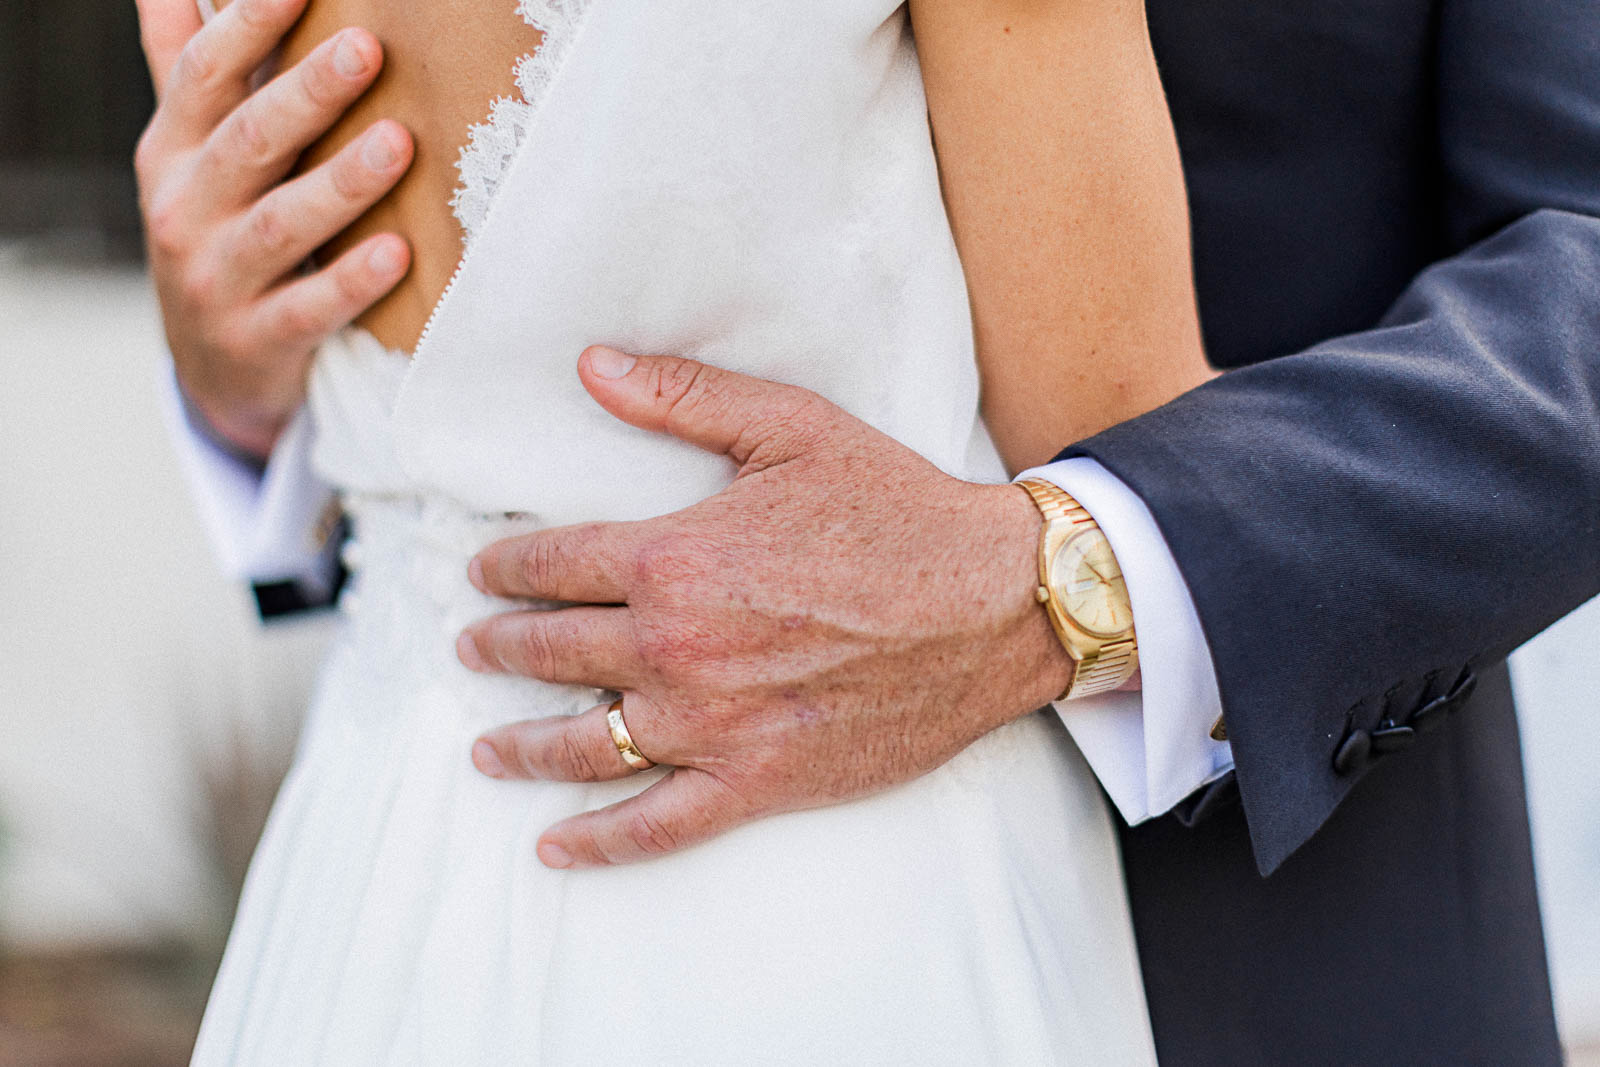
[(814, 686)]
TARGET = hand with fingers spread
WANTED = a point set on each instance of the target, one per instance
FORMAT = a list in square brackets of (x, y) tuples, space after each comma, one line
[(766, 682), (229, 232)]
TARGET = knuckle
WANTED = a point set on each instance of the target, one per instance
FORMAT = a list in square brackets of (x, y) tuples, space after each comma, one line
[(796, 410), (732, 800), (676, 653), (298, 319), (350, 181), (164, 226), (765, 767), (685, 385), (148, 158), (247, 141), (535, 650), (540, 563), (667, 562), (226, 338), (260, 15), (602, 850), (231, 341), (659, 650), (802, 408), (649, 834), (252, 13), (352, 285), (198, 288), (319, 84), (682, 377), (197, 63), (270, 229), (797, 424), (574, 761)]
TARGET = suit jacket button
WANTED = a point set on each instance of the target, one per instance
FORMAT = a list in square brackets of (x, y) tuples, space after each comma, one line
[(1392, 738), (1353, 752)]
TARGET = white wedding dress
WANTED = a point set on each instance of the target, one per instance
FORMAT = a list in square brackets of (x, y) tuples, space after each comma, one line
[(753, 185)]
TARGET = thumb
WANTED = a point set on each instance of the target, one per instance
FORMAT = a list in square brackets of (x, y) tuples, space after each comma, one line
[(720, 411), (165, 26)]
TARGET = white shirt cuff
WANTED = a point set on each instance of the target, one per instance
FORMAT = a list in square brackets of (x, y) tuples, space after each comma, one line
[(264, 526), (1153, 748)]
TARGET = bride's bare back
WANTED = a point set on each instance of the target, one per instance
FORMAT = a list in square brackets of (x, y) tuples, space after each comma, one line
[(1061, 177), (445, 62)]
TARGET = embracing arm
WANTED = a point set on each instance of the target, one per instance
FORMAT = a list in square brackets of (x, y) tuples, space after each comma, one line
[(228, 229), (1062, 178), (1430, 489), (268, 525), (1063, 183)]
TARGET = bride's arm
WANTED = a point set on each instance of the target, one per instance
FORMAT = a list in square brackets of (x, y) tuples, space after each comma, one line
[(1062, 179)]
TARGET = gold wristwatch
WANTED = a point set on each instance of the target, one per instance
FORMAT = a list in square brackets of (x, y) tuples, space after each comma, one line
[(1083, 592)]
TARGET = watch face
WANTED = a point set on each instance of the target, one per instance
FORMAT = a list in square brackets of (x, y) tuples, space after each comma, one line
[(1088, 585)]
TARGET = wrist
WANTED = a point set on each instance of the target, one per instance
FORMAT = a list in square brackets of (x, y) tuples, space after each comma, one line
[(1038, 666), (246, 436), (1082, 592)]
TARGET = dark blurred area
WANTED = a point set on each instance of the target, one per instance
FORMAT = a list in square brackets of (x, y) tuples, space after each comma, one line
[(74, 95)]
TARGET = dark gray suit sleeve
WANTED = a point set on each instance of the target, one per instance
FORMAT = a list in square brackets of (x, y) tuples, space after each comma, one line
[(1363, 522)]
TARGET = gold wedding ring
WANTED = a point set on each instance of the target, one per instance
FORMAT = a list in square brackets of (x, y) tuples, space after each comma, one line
[(624, 740)]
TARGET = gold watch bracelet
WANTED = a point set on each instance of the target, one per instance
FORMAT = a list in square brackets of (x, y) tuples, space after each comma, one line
[(1111, 664)]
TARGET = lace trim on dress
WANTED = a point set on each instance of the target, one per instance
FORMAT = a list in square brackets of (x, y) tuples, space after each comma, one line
[(492, 145)]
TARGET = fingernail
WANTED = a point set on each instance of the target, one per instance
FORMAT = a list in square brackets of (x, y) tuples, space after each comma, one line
[(386, 258), (609, 363), (553, 855), (378, 153), (467, 652), (348, 59), (475, 575), (487, 760)]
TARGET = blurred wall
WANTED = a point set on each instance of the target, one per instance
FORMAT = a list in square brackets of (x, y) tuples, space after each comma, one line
[(146, 716)]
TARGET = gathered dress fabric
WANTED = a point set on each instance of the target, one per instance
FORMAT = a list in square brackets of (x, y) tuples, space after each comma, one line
[(753, 186)]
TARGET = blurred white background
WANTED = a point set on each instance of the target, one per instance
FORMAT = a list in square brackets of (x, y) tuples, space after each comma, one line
[(146, 714)]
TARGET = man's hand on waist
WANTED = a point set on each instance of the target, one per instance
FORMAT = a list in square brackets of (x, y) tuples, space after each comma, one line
[(842, 618)]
